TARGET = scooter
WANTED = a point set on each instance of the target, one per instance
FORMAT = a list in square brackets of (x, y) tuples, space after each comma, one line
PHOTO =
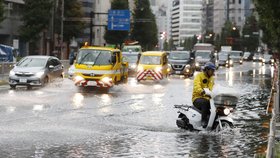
[(222, 106)]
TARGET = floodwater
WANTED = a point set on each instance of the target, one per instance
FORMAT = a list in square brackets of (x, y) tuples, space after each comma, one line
[(133, 120)]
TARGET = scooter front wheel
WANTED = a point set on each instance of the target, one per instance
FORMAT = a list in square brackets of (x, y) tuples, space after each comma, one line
[(223, 126)]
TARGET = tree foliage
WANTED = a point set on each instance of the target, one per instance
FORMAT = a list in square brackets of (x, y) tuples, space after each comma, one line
[(250, 34), (36, 17), (269, 13), (144, 27), (2, 10), (115, 36), (72, 28)]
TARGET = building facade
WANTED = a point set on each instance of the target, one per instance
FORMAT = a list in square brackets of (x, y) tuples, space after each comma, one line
[(235, 11), (187, 19), (9, 28)]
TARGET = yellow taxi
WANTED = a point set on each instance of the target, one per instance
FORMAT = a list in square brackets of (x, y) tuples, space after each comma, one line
[(153, 65)]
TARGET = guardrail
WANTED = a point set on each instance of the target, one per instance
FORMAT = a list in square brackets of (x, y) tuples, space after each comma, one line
[(271, 145)]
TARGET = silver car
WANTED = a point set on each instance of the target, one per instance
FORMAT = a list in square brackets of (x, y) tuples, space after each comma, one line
[(35, 71)]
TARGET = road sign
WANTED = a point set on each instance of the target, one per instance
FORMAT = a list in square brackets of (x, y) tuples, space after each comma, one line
[(119, 20)]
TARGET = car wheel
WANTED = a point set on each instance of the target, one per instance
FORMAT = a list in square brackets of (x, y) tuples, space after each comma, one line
[(45, 81), (13, 86)]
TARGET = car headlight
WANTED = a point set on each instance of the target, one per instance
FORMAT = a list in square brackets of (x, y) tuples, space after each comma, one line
[(12, 73), (230, 62), (133, 66), (188, 66), (272, 60), (140, 68), (158, 69), (196, 64), (39, 74), (106, 80), (78, 79)]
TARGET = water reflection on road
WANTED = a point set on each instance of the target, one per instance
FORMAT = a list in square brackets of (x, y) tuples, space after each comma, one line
[(132, 120)]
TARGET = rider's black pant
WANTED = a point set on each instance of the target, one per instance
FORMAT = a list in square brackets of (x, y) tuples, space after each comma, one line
[(204, 106)]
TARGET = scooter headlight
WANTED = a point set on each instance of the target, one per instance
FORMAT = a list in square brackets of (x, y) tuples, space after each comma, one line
[(226, 111), (223, 111)]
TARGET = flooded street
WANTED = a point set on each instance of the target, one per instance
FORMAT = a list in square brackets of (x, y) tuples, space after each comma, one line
[(133, 119)]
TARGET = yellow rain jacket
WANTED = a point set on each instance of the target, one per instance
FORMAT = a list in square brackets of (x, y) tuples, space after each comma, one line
[(201, 81)]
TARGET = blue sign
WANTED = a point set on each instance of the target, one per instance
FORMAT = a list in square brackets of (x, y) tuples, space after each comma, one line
[(119, 20)]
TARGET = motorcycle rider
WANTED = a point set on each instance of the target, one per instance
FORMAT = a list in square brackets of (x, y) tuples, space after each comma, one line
[(203, 82)]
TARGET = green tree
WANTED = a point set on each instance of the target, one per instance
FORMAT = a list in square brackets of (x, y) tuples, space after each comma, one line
[(144, 27), (72, 28), (230, 36), (165, 45), (2, 10), (188, 43), (36, 18), (217, 42), (250, 34), (171, 44), (116, 36), (269, 13)]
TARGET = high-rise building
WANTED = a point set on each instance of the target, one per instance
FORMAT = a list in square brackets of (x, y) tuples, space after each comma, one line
[(161, 10), (235, 11), (187, 19)]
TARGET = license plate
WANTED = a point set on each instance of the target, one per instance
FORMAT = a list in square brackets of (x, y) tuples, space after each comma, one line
[(177, 72), (22, 80), (91, 83)]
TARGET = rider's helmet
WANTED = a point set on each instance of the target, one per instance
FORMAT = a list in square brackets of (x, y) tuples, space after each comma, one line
[(209, 66)]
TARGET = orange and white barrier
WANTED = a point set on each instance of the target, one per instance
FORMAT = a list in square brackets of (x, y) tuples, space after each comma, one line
[(92, 83), (144, 74)]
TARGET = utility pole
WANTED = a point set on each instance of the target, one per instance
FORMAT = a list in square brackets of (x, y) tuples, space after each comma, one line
[(90, 27), (227, 10), (61, 28)]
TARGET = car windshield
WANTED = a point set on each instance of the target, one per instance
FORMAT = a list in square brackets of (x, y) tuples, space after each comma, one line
[(150, 60), (236, 54), (130, 48), (204, 55), (246, 54), (179, 55), (32, 62), (223, 56), (266, 56), (94, 57), (130, 58)]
